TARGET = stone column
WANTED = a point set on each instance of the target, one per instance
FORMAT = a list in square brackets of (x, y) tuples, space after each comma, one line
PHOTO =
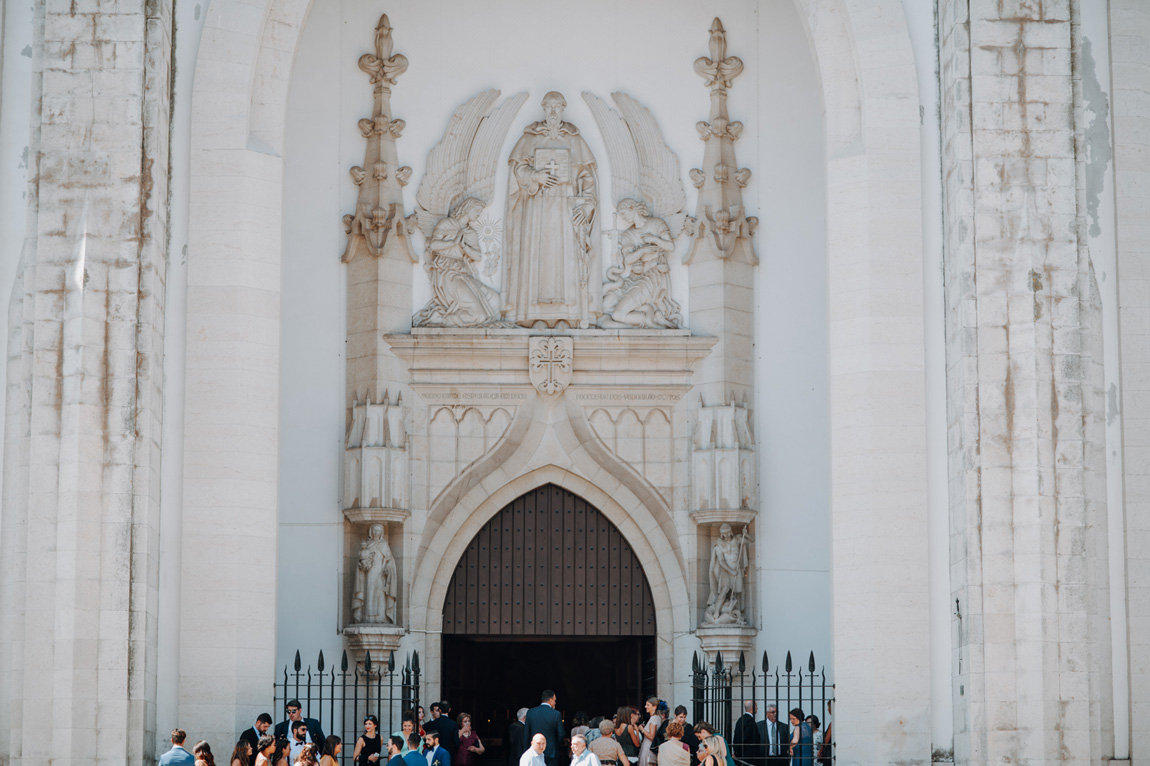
[(80, 524), (1129, 42), (720, 265), (1027, 497), (379, 260)]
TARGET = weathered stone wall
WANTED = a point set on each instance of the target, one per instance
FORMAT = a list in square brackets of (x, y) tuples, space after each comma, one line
[(1028, 560), (80, 520), (1130, 73)]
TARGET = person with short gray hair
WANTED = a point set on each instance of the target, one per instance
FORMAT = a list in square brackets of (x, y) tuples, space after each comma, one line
[(580, 755), (776, 738), (606, 748)]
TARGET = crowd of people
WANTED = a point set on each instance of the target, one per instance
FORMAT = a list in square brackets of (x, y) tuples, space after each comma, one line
[(536, 738), (630, 738)]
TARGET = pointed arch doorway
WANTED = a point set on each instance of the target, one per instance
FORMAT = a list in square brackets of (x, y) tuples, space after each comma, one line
[(548, 594)]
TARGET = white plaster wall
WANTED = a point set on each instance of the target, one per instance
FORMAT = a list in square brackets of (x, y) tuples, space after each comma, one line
[(791, 345), (453, 55)]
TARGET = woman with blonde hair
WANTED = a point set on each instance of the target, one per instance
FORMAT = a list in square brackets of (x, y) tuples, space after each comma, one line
[(649, 730)]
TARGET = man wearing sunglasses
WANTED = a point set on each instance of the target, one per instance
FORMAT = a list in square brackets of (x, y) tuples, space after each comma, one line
[(295, 713)]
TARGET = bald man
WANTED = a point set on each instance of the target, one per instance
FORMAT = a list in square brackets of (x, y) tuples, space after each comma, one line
[(533, 756)]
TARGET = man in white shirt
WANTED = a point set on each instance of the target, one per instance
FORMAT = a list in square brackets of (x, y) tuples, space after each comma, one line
[(298, 739), (533, 756)]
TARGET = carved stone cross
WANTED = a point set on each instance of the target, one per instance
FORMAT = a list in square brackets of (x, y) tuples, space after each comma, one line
[(549, 363)]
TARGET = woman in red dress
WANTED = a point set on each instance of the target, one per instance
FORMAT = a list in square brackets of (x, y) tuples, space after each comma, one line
[(470, 746)]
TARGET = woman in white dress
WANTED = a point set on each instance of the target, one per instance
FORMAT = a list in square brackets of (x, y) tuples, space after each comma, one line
[(650, 729)]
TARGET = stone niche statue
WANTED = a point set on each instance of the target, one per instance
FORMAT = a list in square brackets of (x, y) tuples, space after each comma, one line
[(650, 206), (373, 597), (553, 272), (728, 570)]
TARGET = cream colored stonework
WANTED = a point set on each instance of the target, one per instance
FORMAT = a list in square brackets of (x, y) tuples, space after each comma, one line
[(130, 605)]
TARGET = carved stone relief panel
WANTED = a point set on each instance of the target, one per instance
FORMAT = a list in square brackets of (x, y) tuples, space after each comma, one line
[(641, 436), (457, 436)]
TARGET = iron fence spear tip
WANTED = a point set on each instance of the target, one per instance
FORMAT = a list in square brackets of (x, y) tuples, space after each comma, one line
[(742, 663), (319, 663), (391, 662), (788, 662), (367, 662), (811, 663), (298, 662), (343, 662), (764, 662)]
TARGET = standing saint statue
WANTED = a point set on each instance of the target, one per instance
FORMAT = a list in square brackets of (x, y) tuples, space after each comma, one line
[(552, 265), (729, 559), (373, 597)]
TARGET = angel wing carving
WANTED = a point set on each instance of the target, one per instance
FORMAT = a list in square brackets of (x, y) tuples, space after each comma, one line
[(643, 167), (463, 163)]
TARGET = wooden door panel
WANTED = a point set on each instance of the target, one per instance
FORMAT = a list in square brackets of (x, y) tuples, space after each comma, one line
[(549, 564)]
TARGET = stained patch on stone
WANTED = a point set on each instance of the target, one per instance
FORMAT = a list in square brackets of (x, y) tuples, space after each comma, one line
[(1099, 151)]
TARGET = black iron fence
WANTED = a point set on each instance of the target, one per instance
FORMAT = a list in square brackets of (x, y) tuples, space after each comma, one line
[(340, 699), (720, 691)]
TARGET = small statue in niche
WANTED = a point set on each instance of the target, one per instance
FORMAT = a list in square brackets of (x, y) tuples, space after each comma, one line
[(459, 298), (373, 597), (729, 560), (638, 289)]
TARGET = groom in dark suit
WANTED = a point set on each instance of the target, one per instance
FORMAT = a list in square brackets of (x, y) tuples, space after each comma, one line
[(546, 720)]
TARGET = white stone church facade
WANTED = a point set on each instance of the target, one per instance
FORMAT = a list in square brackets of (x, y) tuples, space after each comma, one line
[(838, 311)]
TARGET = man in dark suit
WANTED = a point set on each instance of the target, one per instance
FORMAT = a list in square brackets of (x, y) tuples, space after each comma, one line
[(516, 743), (746, 736), (448, 728), (252, 735), (295, 713), (546, 720), (776, 737)]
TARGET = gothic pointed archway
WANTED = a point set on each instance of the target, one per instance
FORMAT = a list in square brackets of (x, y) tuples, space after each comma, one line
[(548, 594)]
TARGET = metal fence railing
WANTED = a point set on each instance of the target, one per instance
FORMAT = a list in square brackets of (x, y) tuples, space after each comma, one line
[(339, 699), (719, 691)]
